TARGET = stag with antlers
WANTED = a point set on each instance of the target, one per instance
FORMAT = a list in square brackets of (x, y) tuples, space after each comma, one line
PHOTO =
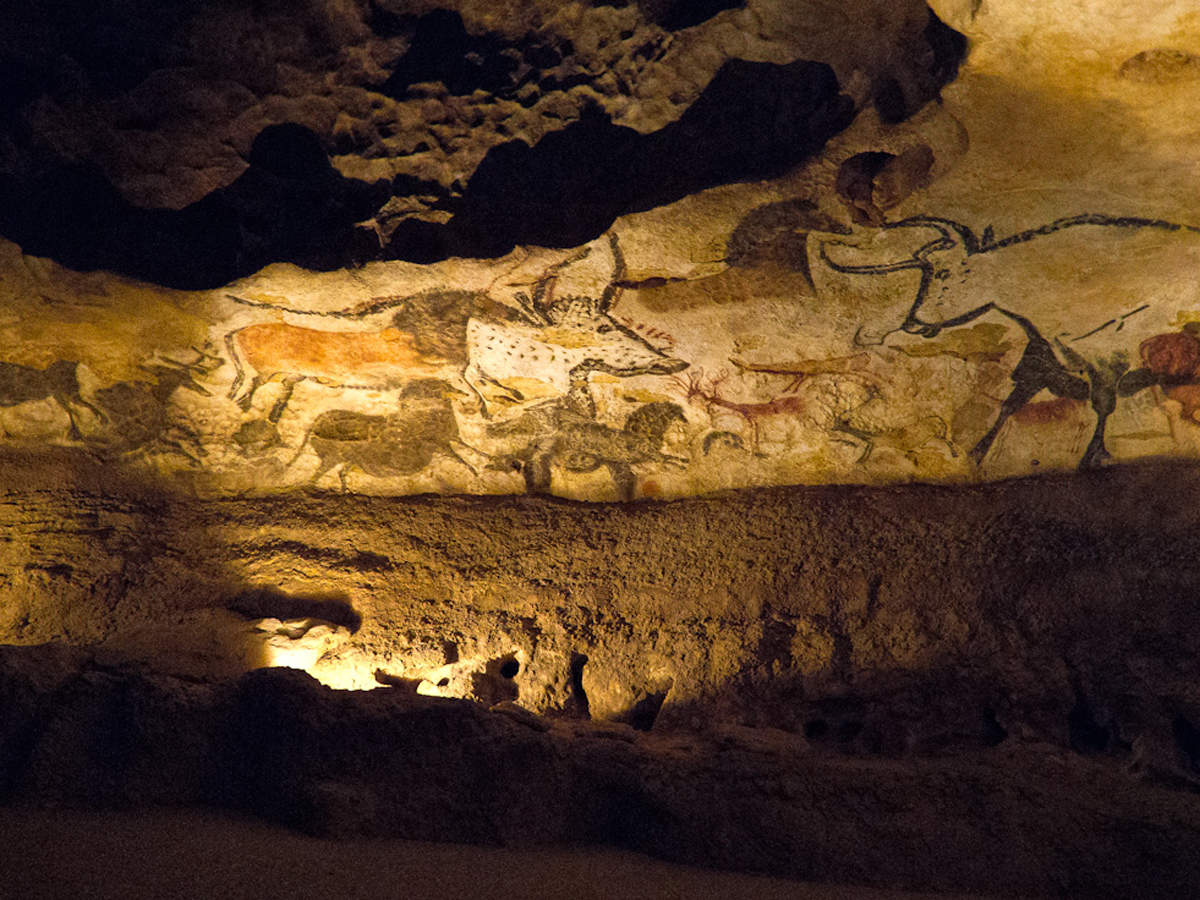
[(696, 388)]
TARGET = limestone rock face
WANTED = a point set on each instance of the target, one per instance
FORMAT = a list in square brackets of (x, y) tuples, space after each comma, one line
[(396, 248), (879, 621)]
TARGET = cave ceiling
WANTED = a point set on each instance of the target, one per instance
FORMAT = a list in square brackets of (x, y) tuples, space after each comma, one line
[(606, 251)]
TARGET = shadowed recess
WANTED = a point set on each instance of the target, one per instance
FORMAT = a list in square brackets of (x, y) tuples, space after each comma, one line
[(753, 120), (268, 602), (442, 50), (290, 205)]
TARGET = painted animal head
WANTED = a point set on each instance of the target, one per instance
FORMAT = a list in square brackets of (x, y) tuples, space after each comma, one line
[(582, 335), (567, 334), (942, 248), (171, 373)]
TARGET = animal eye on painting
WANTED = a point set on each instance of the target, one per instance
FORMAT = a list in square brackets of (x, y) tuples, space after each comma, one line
[(604, 329)]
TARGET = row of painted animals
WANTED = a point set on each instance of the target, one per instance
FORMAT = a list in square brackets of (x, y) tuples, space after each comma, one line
[(843, 417), (464, 337), (962, 277), (560, 432), (134, 414), (400, 443), (59, 382), (564, 431)]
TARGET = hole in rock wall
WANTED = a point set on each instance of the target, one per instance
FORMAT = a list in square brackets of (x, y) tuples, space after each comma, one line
[(509, 668), (816, 729), (1087, 735), (645, 711), (1187, 739), (578, 696), (993, 732)]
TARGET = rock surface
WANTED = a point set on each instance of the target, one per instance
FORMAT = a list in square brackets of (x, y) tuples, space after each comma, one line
[(878, 620), (265, 267), (169, 853)]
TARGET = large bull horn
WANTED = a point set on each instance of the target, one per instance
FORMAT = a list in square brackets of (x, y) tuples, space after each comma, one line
[(859, 268), (944, 238)]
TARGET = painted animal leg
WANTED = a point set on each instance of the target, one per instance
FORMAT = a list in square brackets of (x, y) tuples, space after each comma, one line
[(1023, 391), (449, 451), (537, 473), (322, 468), (67, 401), (1096, 453), (247, 398), (73, 432), (289, 385), (1038, 369), (1104, 401), (754, 435), (623, 478)]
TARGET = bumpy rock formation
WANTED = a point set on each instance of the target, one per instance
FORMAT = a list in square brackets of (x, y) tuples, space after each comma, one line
[(542, 127)]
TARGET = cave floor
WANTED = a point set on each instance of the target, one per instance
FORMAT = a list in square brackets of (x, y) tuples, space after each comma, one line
[(57, 853)]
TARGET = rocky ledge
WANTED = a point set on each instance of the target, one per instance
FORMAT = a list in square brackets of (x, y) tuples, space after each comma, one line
[(1017, 819)]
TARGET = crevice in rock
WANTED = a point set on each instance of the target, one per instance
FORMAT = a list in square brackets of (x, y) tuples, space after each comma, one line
[(579, 697), (816, 729), (855, 185), (273, 603), (495, 683), (1086, 734), (442, 50), (1187, 739), (357, 560), (675, 15), (753, 120), (290, 205), (994, 733)]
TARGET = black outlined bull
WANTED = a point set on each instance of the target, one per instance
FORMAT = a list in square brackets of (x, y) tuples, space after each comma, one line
[(1070, 286)]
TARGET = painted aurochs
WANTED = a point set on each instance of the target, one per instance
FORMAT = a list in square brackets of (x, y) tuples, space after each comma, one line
[(1087, 291)]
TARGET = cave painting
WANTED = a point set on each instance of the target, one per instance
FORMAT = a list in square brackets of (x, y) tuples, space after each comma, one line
[(462, 335), (913, 350), (58, 381), (1090, 293)]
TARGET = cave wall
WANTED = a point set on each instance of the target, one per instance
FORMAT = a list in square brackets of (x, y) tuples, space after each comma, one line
[(989, 690), (894, 621), (599, 251)]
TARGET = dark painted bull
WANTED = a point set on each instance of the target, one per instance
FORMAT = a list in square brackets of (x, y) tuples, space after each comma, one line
[(1086, 291)]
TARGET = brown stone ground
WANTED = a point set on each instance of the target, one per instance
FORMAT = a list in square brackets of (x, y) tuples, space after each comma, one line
[(193, 854)]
